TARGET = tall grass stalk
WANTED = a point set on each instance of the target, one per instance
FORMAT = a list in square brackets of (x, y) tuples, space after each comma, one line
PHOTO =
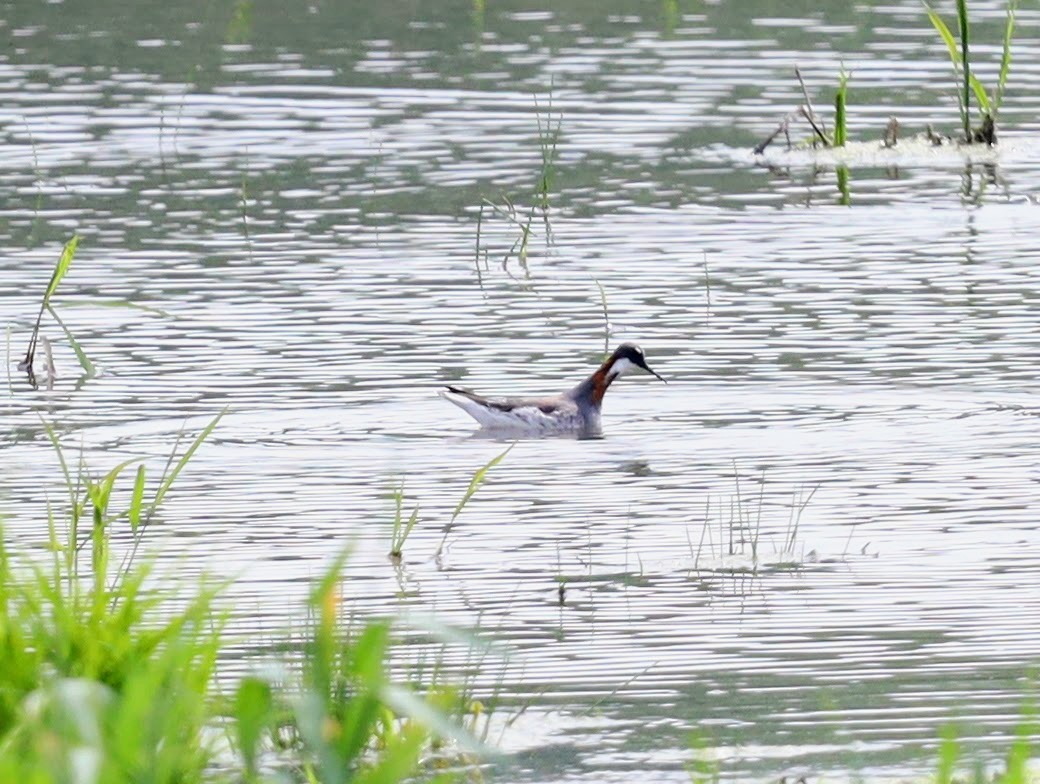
[(606, 319), (844, 192), (1005, 56), (548, 138), (60, 270), (243, 201), (965, 34)]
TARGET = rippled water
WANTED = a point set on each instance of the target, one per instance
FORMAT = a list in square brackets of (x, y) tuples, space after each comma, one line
[(294, 198)]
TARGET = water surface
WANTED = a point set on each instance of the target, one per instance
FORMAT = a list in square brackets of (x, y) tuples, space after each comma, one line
[(294, 200)]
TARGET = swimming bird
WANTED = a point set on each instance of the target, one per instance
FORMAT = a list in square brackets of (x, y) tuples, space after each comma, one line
[(574, 411)]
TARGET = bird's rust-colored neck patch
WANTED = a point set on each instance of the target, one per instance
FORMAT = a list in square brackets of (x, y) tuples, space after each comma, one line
[(601, 381)]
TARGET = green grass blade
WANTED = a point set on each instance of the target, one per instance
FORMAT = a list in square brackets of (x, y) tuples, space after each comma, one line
[(53, 438), (478, 480), (134, 512), (62, 269), (955, 58), (949, 754), (81, 356), (980, 94), (185, 458), (410, 525), (409, 704), (103, 489), (962, 26), (1005, 56), (399, 759), (253, 710), (398, 497), (118, 303), (841, 133), (56, 277), (946, 35)]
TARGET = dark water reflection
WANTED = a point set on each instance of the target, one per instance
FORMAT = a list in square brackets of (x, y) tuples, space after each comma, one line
[(293, 196)]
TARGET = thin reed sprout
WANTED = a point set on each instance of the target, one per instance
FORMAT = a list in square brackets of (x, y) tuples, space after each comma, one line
[(61, 269), (548, 139), (606, 319), (475, 482), (841, 131), (402, 527), (740, 533)]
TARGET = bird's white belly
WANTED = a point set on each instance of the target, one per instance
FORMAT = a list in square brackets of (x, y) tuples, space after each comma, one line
[(530, 418)]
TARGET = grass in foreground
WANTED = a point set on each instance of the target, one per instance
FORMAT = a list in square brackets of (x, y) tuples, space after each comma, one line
[(110, 670)]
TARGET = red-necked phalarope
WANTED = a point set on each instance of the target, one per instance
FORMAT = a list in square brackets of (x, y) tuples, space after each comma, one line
[(577, 410)]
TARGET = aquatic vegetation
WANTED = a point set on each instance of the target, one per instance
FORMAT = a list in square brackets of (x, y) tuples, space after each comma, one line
[(1017, 764), (111, 671), (507, 210), (96, 495), (548, 138), (474, 484), (240, 26), (478, 479), (967, 82), (606, 319), (549, 127), (841, 132), (243, 205), (343, 718), (967, 85), (703, 767), (61, 269), (104, 678), (36, 340), (401, 528), (820, 135), (733, 541)]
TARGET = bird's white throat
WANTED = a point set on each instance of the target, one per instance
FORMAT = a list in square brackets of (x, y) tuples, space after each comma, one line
[(621, 367)]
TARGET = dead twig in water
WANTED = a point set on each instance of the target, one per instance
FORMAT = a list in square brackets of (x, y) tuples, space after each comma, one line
[(781, 128), (891, 137), (810, 113)]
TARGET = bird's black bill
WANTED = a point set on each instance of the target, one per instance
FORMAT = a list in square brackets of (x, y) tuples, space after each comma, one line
[(642, 363)]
